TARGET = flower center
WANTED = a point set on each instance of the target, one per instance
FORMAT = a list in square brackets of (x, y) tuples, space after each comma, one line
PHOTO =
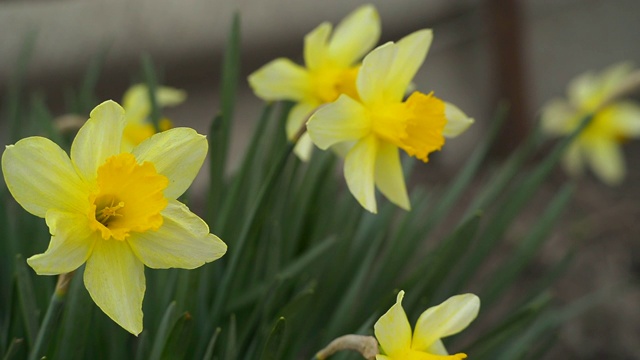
[(331, 83), (415, 126), (129, 198)]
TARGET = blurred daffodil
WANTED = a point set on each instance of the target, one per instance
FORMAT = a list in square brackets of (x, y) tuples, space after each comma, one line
[(372, 126), (394, 334), (137, 107), (332, 62), (614, 122), (117, 211)]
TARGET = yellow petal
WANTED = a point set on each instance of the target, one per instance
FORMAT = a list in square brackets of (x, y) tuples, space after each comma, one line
[(137, 104), (177, 154), (359, 169), (437, 348), (343, 120), (572, 159), (40, 177), (304, 148), (614, 76), (457, 121), (557, 117), (412, 50), (71, 243), (389, 177), (315, 46), (183, 241), (448, 318), (298, 116), (114, 277), (393, 330), (281, 79), (606, 161), (626, 119), (382, 357), (372, 77), (356, 35), (99, 138)]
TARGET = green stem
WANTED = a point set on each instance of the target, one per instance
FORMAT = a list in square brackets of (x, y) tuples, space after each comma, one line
[(50, 320)]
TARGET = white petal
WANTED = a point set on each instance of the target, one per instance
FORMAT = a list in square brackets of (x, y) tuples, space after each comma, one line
[(389, 177), (448, 318), (343, 120), (40, 176), (177, 154), (359, 172), (393, 330), (457, 121), (114, 277), (99, 138), (183, 241), (71, 244), (355, 36)]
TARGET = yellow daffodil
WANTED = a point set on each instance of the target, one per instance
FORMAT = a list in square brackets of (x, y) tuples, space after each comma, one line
[(115, 210), (393, 330), (377, 122), (614, 121), (332, 62), (137, 107)]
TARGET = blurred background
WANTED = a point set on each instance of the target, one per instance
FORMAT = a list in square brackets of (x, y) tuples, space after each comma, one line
[(524, 52)]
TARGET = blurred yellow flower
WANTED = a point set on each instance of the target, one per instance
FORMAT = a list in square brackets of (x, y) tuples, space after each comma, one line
[(137, 107), (371, 127), (394, 334), (117, 211), (332, 62), (614, 121)]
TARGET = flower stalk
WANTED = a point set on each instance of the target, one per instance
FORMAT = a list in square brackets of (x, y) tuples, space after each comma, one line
[(51, 317)]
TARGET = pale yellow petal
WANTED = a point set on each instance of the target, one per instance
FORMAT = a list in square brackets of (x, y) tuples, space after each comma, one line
[(304, 148), (389, 177), (614, 76), (393, 330), (343, 120), (177, 154), (99, 138), (137, 104), (114, 277), (183, 241), (584, 92), (437, 348), (448, 318), (382, 357), (359, 171), (606, 160), (315, 46), (626, 119), (372, 77), (457, 121), (356, 35), (572, 160), (71, 243), (281, 79), (298, 116), (412, 50), (40, 176), (557, 117)]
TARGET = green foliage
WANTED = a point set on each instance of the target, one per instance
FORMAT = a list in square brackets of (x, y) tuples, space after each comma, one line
[(306, 263)]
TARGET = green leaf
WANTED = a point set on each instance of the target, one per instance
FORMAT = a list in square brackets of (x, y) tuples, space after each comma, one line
[(26, 295), (76, 320), (208, 355), (151, 80), (14, 347), (231, 352), (178, 341), (274, 341), (162, 336)]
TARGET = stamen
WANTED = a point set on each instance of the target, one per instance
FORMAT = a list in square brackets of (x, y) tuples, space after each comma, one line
[(108, 211)]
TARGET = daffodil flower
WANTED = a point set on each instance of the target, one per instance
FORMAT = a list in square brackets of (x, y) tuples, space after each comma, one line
[(137, 107), (393, 330), (376, 123), (332, 62), (117, 211), (613, 123)]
